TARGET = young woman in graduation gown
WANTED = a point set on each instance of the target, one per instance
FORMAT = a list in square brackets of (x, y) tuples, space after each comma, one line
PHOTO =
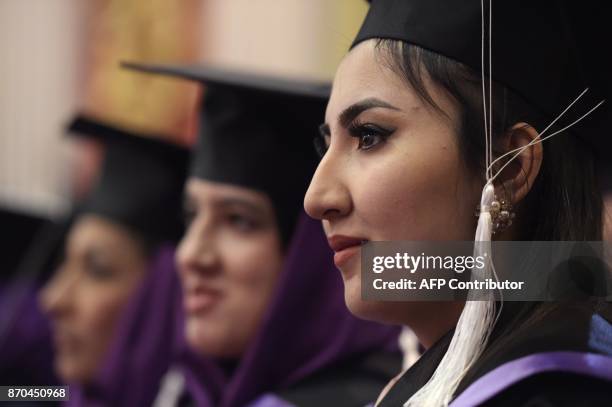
[(107, 300), (404, 156), (265, 320)]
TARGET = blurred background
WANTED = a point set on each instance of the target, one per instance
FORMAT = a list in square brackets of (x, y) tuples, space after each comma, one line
[(60, 58)]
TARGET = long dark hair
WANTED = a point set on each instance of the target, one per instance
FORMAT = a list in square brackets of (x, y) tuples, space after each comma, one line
[(565, 202)]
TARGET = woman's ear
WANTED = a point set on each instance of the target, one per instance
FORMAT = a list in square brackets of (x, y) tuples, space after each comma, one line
[(521, 173)]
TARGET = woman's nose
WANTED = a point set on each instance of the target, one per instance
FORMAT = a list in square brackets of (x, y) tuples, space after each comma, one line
[(328, 196), (55, 297), (196, 250)]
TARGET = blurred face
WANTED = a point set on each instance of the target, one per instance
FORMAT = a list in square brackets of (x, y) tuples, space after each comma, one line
[(392, 171), (102, 267), (229, 262)]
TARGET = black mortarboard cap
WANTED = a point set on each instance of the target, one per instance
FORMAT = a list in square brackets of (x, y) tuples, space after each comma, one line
[(140, 183), (547, 51), (256, 131)]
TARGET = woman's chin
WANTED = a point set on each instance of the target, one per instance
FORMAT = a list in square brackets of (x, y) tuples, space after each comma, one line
[(70, 371), (356, 305), (388, 312), (208, 340)]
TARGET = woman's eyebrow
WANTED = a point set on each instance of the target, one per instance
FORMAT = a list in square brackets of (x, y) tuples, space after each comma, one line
[(241, 203), (350, 113)]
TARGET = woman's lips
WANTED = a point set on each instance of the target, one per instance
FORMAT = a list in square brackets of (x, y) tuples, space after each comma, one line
[(200, 299), (64, 342), (344, 247)]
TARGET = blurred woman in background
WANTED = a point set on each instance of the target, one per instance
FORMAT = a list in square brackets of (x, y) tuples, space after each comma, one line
[(265, 320), (110, 301)]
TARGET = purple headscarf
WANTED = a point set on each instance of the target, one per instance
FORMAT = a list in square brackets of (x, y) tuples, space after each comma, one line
[(307, 329), (26, 353), (142, 348)]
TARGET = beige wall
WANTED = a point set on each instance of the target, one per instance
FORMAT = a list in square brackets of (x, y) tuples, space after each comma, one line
[(43, 54), (39, 42), (304, 38)]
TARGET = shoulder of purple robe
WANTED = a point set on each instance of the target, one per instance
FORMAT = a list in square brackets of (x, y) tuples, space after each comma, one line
[(510, 373), (272, 400)]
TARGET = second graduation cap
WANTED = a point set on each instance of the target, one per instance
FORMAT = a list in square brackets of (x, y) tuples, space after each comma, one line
[(256, 132), (140, 182)]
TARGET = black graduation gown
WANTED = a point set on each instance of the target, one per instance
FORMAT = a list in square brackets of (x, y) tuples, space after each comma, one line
[(353, 383), (519, 333)]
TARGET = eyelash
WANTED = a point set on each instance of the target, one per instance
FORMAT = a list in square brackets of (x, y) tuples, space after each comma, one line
[(98, 271), (362, 130), (237, 221), (357, 130), (242, 223)]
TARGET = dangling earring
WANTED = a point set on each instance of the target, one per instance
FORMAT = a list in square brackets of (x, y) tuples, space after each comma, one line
[(501, 212)]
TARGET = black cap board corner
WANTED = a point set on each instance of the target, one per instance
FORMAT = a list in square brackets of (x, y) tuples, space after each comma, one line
[(256, 131), (140, 183), (547, 51)]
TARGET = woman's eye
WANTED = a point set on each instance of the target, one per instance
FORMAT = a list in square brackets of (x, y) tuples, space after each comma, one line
[(369, 135), (98, 272), (242, 223), (367, 141), (97, 268)]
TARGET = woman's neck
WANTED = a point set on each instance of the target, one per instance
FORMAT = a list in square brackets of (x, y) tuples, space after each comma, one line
[(436, 320)]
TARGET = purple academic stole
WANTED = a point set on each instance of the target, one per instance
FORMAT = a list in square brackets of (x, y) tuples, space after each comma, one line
[(504, 376)]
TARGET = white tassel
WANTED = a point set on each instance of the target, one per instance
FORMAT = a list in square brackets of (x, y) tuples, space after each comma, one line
[(485, 223), (473, 328)]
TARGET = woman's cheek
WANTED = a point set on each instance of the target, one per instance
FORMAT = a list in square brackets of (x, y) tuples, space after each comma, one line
[(102, 311), (394, 195), (255, 270), (254, 266), (250, 274), (385, 196), (93, 326)]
